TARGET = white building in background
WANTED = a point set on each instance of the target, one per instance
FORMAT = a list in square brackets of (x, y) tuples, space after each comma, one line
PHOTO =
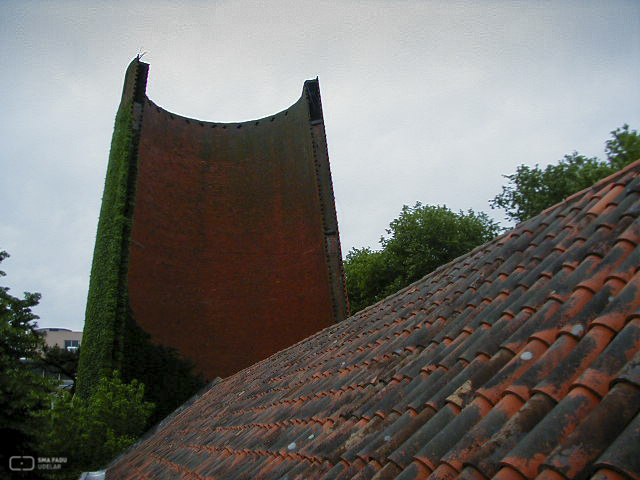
[(62, 337)]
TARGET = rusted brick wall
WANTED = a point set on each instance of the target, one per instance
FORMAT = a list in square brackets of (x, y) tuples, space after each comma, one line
[(227, 258)]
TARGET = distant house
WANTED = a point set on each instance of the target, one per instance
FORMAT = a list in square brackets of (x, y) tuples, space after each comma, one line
[(62, 337)]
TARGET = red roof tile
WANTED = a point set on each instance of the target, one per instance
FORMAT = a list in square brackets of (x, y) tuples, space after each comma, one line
[(519, 360)]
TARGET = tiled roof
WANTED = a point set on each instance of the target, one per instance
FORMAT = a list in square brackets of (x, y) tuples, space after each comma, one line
[(518, 360)]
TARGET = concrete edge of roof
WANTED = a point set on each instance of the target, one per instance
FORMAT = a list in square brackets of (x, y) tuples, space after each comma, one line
[(97, 475)]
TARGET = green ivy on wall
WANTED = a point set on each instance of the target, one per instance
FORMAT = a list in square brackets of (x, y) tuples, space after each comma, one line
[(106, 294), (112, 339)]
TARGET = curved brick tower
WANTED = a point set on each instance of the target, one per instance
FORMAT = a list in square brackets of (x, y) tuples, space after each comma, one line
[(217, 243)]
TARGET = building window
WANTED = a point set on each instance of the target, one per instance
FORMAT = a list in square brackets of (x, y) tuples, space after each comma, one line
[(71, 344)]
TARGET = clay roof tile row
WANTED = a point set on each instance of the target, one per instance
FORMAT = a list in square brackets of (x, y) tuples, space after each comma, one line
[(518, 360)]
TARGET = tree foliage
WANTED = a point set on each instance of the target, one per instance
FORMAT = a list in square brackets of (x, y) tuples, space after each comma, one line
[(532, 189), (367, 277), (623, 148), (92, 432), (39, 420), (421, 239), (23, 392), (57, 360)]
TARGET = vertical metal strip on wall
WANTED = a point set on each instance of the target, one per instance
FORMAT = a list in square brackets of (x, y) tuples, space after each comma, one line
[(327, 202)]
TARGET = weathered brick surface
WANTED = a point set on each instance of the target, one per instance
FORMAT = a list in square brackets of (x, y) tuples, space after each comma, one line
[(227, 262)]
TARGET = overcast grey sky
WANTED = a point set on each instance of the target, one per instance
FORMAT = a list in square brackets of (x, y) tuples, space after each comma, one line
[(427, 101)]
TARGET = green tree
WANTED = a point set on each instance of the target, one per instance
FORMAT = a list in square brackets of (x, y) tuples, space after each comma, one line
[(367, 275), (90, 433), (57, 360), (623, 148), (23, 392), (421, 239), (36, 419), (530, 190)]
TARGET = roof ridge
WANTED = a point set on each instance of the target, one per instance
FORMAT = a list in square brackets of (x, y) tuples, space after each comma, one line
[(570, 198), (608, 179)]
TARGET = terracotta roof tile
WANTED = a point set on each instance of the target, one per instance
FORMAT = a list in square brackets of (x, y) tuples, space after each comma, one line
[(518, 360)]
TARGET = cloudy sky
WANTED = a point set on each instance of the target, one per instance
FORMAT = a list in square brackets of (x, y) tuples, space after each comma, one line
[(427, 101)]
